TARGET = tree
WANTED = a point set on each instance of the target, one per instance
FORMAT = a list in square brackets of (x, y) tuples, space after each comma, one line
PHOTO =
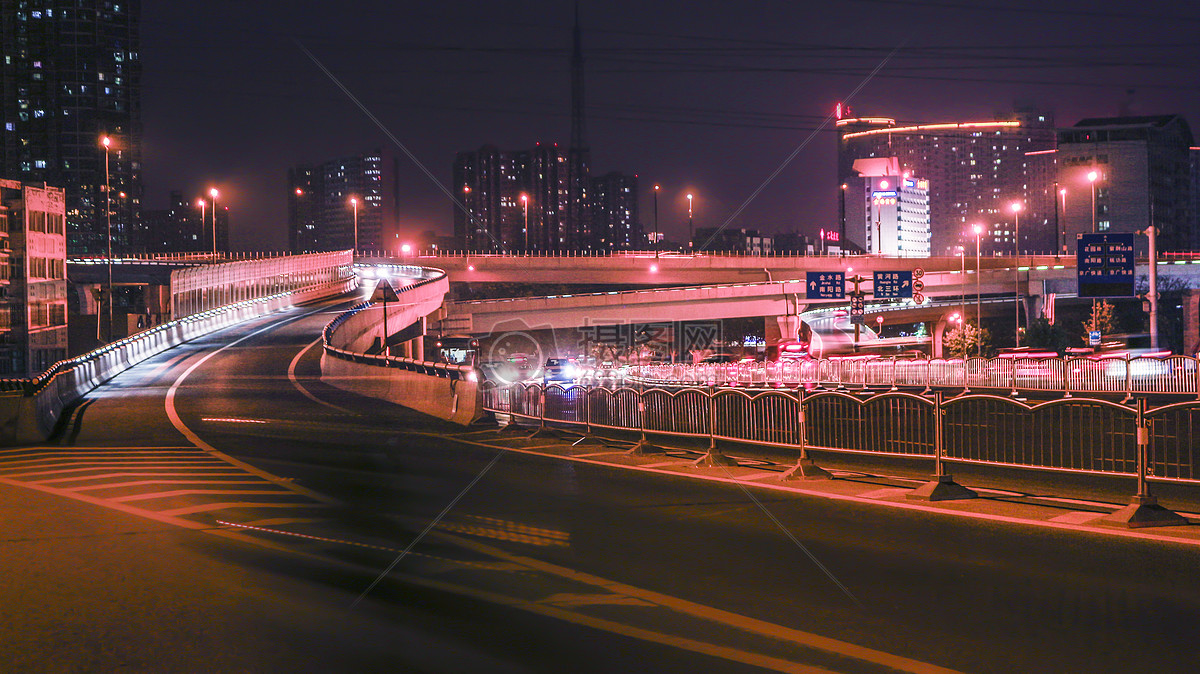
[(967, 340), (1041, 334), (1101, 319)]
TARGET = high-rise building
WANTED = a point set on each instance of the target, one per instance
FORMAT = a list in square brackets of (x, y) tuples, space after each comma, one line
[(185, 227), (71, 75), (304, 209), (343, 202), (887, 209), (558, 208), (33, 311), (1121, 173), (615, 222), (976, 170)]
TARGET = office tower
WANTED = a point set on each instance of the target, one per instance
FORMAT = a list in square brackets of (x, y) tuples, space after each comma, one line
[(72, 74), (887, 209)]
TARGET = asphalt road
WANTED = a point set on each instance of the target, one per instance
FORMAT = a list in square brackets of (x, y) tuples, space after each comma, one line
[(534, 564)]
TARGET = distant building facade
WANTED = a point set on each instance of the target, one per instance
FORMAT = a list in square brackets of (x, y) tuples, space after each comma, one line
[(72, 74), (337, 203), (185, 227), (729, 240), (33, 309), (976, 170), (615, 221), (1143, 172)]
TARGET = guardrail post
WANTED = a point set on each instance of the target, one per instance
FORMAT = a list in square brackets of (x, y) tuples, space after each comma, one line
[(1129, 384), (512, 426), (942, 486), (713, 457), (643, 446), (805, 468), (588, 438), (1143, 510)]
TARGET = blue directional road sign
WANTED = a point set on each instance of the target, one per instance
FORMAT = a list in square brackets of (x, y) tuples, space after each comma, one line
[(893, 285), (1105, 264), (825, 285)]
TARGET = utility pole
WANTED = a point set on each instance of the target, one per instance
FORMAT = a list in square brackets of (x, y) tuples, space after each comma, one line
[(1151, 233)]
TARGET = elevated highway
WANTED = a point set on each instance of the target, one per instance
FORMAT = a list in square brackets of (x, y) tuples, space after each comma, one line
[(680, 270)]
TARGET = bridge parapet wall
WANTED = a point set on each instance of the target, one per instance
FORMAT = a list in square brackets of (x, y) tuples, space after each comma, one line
[(449, 392)]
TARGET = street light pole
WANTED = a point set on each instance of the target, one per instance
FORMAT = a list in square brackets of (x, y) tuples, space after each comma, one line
[(691, 235), (525, 230), (656, 189), (1016, 209), (108, 229), (1058, 228), (354, 205), (213, 193), (978, 303)]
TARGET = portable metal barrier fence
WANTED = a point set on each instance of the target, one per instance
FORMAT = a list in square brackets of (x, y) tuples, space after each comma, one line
[(1175, 375), (1065, 434)]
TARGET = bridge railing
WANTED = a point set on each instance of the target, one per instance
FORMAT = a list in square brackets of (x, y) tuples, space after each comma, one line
[(1174, 375), (1068, 434)]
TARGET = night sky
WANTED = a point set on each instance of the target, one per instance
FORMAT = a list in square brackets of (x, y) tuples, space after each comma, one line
[(702, 96)]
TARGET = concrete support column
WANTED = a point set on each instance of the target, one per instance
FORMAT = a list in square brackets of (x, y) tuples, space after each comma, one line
[(939, 329), (1191, 321), (418, 343), (783, 327)]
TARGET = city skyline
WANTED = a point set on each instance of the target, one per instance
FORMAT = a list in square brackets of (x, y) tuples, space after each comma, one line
[(699, 101)]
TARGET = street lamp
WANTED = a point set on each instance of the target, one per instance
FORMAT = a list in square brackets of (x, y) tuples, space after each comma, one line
[(978, 304), (354, 205), (1061, 230), (213, 193), (525, 208), (107, 143), (656, 189), (1092, 177), (691, 235), (1016, 209)]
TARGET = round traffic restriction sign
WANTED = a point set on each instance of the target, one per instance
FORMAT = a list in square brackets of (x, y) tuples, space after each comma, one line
[(918, 286), (918, 272), (918, 298)]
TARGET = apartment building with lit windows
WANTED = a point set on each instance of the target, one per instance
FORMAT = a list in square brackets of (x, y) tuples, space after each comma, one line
[(33, 309), (975, 169), (71, 75)]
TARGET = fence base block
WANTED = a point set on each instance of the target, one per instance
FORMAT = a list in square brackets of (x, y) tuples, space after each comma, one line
[(714, 459), (806, 469), (1144, 511), (513, 428), (589, 441), (545, 433), (643, 448), (940, 488)]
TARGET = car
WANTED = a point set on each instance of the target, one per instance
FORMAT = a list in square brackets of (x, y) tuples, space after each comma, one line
[(559, 370), (721, 358), (499, 372)]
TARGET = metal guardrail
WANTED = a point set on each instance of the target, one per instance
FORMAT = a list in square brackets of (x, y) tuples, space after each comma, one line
[(1176, 375), (1067, 434), (425, 276)]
